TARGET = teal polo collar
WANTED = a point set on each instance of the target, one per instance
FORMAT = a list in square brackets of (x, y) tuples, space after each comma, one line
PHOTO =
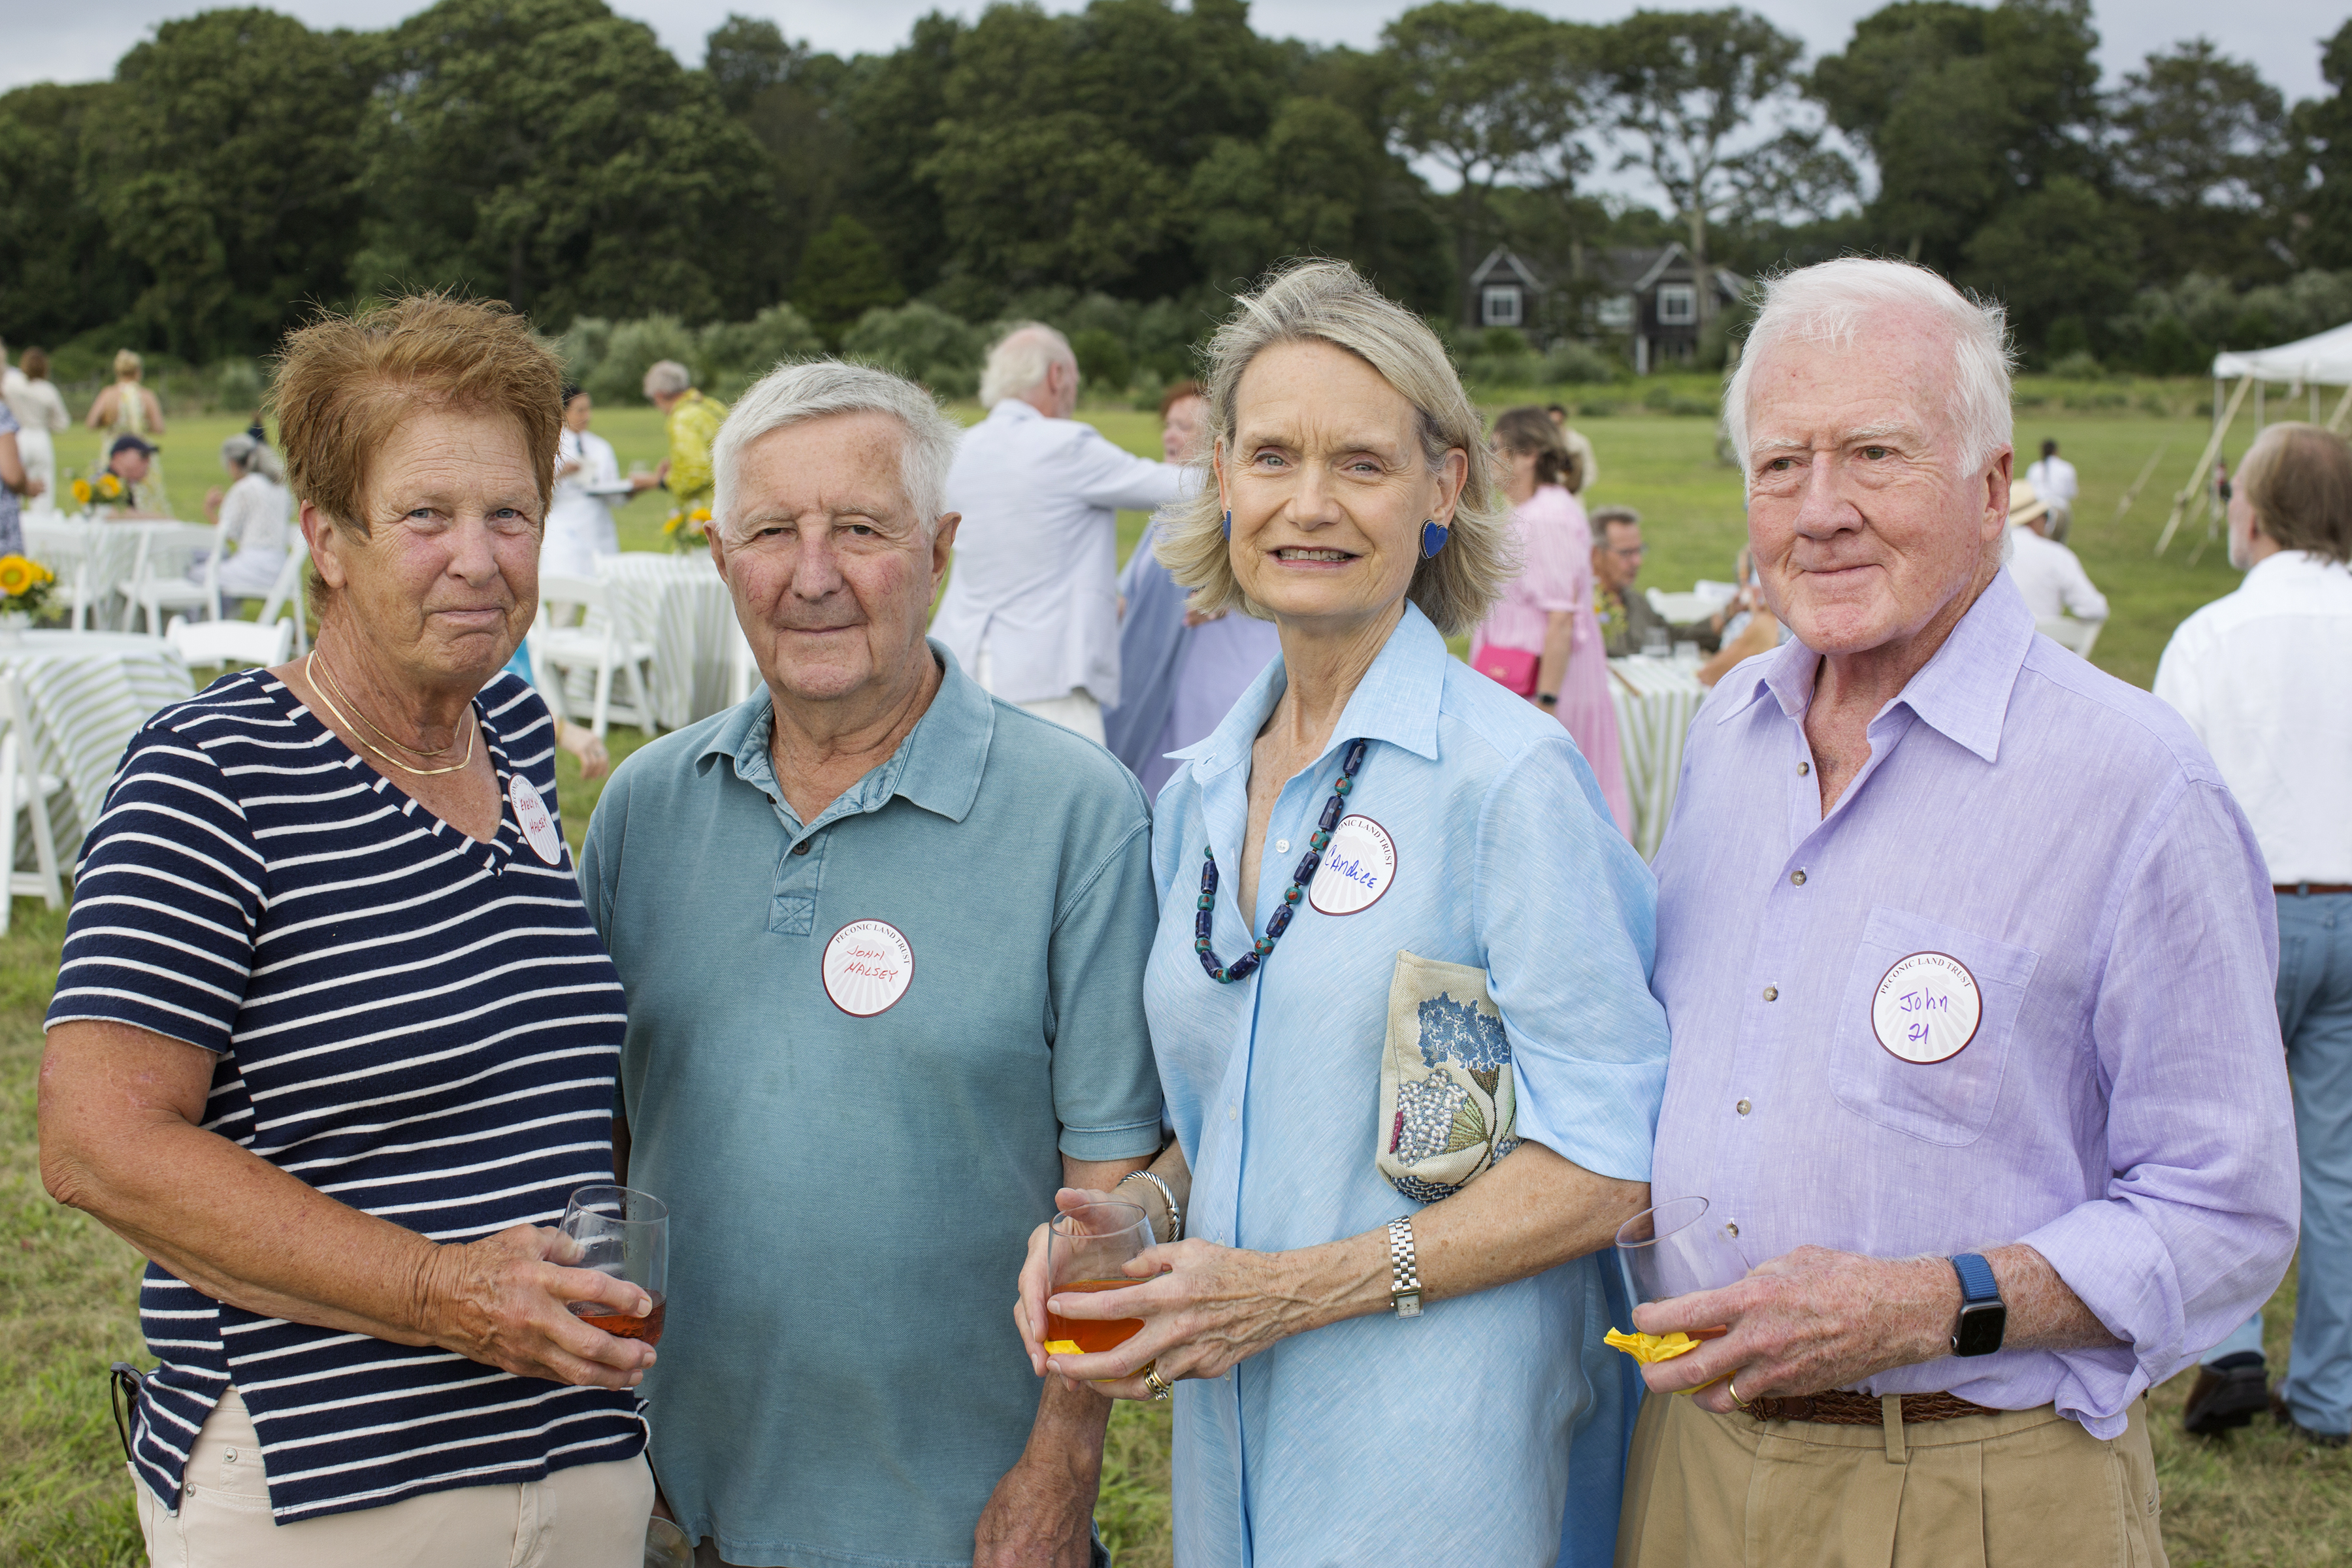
[(938, 766), (1397, 701)]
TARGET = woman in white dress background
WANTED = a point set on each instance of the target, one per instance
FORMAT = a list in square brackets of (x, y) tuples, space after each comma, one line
[(255, 515), (580, 526), (40, 414)]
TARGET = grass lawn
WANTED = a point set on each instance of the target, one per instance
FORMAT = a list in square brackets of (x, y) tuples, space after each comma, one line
[(68, 1288)]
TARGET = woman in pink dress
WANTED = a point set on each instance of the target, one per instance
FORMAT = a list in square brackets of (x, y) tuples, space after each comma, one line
[(1542, 639)]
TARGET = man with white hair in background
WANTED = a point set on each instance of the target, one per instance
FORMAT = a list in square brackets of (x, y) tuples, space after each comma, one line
[(1031, 607), (1974, 1054), (882, 940)]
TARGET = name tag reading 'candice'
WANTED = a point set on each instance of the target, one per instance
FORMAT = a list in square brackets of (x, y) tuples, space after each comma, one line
[(867, 966), (1358, 865), (1927, 1009)]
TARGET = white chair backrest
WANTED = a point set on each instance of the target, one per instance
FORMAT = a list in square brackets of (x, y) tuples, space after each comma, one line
[(12, 709), (167, 547), (208, 643), (288, 585), (558, 595)]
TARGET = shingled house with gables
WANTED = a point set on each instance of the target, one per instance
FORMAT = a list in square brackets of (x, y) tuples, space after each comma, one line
[(1651, 296), (1504, 292)]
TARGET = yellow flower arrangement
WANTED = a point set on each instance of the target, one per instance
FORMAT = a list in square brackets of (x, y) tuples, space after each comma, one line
[(24, 584), (687, 529), (109, 488), (81, 491)]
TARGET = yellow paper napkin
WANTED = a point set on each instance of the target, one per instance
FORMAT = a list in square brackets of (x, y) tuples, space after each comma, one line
[(1063, 1347), (1648, 1348)]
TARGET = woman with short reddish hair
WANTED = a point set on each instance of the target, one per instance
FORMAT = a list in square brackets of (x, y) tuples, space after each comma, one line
[(333, 1040)]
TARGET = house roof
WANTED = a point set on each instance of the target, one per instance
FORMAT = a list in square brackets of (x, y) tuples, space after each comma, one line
[(1638, 268), (1502, 261)]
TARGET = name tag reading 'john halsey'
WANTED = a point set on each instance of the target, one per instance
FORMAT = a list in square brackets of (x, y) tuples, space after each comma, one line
[(1926, 1008)]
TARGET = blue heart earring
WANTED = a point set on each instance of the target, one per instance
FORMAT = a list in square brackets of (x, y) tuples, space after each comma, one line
[(1432, 539), (1229, 528)]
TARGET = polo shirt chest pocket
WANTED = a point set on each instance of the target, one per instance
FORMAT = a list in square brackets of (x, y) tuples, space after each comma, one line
[(1925, 1024)]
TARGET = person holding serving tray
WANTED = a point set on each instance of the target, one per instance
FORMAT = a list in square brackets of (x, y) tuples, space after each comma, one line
[(1398, 999)]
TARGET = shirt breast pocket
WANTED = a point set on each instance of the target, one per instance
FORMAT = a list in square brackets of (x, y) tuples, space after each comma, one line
[(1917, 989)]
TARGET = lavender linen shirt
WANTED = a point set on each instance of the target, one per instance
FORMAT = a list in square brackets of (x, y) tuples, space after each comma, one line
[(2123, 1106)]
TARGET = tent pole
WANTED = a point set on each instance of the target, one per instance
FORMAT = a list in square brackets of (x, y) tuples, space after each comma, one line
[(2260, 387), (2335, 420), (2200, 476)]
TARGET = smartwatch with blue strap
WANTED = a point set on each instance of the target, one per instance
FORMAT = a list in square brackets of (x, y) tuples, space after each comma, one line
[(1984, 1316)]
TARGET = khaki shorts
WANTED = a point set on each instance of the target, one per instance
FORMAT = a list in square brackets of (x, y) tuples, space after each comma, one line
[(590, 1516), (2025, 1489)]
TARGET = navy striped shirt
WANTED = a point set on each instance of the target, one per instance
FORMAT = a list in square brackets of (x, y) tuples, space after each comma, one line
[(416, 1024)]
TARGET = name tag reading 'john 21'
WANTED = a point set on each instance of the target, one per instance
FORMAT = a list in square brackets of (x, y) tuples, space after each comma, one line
[(1926, 1008), (1358, 865)]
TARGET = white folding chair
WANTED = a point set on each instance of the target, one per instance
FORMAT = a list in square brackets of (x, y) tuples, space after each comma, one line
[(595, 644), (288, 590), (2076, 637), (160, 580), (224, 643), (25, 793)]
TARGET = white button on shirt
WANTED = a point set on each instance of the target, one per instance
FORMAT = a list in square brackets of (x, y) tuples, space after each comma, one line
[(1036, 557), (2050, 578), (2265, 676)]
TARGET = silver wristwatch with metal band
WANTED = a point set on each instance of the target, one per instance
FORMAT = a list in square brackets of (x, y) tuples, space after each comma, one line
[(1404, 1269)]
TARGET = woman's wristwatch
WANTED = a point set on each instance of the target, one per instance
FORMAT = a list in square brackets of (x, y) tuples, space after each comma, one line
[(1175, 1215), (1404, 1269), (1548, 699)]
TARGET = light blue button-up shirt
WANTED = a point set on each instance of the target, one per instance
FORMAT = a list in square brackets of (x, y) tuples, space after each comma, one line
[(2122, 1105), (840, 1383), (1492, 1427)]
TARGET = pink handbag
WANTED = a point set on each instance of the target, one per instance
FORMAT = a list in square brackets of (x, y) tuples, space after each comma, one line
[(1513, 669)]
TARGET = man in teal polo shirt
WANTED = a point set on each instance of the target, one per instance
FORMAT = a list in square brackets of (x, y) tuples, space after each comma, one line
[(883, 939)]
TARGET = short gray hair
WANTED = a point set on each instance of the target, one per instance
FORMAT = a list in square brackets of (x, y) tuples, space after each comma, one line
[(818, 389), (1328, 302), (253, 457), (667, 378), (1829, 303), (1018, 362)]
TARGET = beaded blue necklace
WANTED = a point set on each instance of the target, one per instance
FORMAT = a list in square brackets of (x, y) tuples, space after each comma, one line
[(1245, 966)]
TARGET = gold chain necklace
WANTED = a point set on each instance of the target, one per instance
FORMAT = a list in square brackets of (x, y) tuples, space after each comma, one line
[(310, 668), (328, 671)]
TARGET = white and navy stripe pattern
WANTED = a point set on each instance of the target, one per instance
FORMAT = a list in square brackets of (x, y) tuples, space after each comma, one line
[(421, 1026)]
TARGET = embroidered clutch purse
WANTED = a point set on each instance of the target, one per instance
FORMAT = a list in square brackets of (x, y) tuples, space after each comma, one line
[(1448, 1107)]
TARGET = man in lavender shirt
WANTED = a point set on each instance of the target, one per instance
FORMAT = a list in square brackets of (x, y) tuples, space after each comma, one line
[(1974, 1053)]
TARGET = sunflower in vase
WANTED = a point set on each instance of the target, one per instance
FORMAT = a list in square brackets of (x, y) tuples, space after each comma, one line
[(23, 589), (90, 494), (686, 531)]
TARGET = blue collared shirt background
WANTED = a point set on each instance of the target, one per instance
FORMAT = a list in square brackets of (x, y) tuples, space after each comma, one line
[(840, 1382), (1494, 1424), (2123, 1106)]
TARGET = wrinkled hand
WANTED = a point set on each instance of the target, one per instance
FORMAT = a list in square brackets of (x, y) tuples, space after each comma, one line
[(503, 1301), (1029, 1299), (594, 761), (1809, 1321), (1039, 1516), (1208, 1308)]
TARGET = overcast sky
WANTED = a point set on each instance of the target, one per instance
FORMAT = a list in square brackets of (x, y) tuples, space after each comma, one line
[(48, 42)]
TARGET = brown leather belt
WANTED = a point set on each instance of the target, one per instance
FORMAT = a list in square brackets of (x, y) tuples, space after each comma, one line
[(1840, 1408), (2286, 887)]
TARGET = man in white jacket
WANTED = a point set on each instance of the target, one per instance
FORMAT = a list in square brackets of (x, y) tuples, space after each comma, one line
[(1032, 606)]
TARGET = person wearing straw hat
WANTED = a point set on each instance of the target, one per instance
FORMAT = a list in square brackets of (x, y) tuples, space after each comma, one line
[(2049, 575), (2054, 480)]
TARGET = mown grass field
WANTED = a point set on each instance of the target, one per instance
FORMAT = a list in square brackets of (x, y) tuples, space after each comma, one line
[(68, 1288)]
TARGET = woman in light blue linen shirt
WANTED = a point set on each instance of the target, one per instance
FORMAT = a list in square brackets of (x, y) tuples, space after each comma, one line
[(1469, 918)]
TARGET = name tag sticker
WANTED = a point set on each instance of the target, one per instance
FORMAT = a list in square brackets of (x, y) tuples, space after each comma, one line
[(1926, 1008), (1358, 865), (531, 816), (867, 966)]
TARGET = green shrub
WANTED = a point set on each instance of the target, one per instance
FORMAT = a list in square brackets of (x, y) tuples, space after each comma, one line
[(1503, 342), (237, 386), (734, 354), (583, 346), (2081, 364), (1103, 362), (1569, 363), (922, 342)]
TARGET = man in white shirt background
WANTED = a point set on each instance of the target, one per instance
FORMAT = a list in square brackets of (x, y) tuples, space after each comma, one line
[(2265, 676), (2049, 575), (1032, 603), (2054, 480)]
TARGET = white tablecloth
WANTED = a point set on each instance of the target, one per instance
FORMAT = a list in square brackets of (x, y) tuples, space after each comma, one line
[(1655, 700), (679, 603), (86, 693), (105, 553)]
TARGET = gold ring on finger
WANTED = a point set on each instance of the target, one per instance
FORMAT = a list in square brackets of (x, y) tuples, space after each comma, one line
[(1160, 1387), (1733, 1386)]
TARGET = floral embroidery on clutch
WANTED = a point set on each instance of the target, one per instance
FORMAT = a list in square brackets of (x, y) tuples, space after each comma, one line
[(1448, 1102)]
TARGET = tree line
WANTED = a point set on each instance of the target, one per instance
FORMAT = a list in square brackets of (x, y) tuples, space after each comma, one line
[(1131, 162)]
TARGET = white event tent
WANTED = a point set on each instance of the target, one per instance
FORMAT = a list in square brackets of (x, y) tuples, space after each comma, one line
[(2324, 359)]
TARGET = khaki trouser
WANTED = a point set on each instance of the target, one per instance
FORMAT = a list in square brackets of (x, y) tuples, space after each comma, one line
[(590, 1516), (2024, 1489)]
